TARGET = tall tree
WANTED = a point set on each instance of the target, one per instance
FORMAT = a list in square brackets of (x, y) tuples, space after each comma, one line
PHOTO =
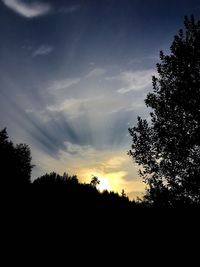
[(169, 147), (15, 162)]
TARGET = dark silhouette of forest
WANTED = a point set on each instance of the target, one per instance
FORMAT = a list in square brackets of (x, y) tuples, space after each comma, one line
[(52, 189), (168, 148)]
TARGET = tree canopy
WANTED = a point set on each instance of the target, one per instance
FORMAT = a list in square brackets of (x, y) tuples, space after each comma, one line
[(168, 148), (15, 162)]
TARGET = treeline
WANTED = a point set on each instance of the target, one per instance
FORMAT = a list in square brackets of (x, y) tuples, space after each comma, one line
[(51, 189), (58, 191)]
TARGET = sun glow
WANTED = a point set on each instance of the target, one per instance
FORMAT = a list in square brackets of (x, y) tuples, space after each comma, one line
[(103, 185)]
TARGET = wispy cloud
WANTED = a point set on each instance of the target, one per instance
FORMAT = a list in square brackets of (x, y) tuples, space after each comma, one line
[(69, 9), (62, 84), (71, 106), (134, 81), (43, 50), (96, 73), (28, 10)]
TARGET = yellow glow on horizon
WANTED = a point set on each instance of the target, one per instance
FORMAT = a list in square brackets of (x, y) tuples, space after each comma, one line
[(108, 181), (104, 184), (114, 170)]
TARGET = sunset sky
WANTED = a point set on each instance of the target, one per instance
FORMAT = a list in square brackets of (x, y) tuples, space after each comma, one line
[(73, 78)]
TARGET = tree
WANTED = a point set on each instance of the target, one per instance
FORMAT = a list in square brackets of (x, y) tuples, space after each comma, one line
[(54, 179), (15, 162), (123, 194), (169, 147), (95, 181)]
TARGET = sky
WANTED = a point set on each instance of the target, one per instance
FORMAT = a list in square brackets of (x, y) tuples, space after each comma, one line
[(73, 78)]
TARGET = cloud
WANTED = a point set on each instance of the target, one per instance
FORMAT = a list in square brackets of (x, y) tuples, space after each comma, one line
[(97, 72), (92, 107), (28, 10), (62, 84), (71, 106), (69, 9), (43, 50), (134, 81), (115, 162), (81, 151), (97, 112)]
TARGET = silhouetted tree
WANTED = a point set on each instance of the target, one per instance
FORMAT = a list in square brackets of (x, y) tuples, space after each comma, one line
[(169, 147), (15, 162), (123, 194), (95, 181), (56, 179)]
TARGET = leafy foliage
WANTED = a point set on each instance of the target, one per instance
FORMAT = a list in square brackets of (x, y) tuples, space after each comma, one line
[(15, 162), (169, 147)]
